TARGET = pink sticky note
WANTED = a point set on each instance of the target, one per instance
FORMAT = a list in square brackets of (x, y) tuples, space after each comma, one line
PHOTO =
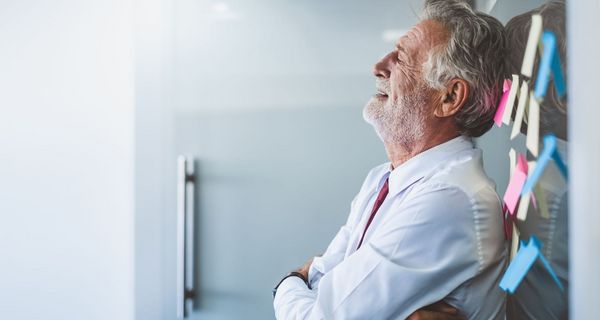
[(522, 163), (502, 104), (513, 191)]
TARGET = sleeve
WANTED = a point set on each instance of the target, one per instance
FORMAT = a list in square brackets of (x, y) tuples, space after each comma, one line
[(424, 249), (337, 248), (335, 251)]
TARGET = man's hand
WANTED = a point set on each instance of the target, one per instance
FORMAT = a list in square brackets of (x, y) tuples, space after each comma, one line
[(437, 311), (304, 269)]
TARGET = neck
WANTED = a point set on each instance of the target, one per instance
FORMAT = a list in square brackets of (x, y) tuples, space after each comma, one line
[(400, 153)]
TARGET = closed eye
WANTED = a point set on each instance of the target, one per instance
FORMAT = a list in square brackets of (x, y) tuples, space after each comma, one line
[(399, 58), (400, 54)]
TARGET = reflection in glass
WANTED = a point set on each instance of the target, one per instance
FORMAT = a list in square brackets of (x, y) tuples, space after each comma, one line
[(538, 297)]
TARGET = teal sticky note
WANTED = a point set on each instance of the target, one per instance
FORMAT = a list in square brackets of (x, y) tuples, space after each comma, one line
[(562, 167), (550, 152), (559, 79), (519, 266), (548, 267), (542, 162), (549, 64)]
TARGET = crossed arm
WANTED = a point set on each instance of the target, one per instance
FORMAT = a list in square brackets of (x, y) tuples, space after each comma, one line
[(415, 259), (437, 311)]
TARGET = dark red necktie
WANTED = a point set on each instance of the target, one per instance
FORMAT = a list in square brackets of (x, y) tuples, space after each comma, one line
[(382, 194)]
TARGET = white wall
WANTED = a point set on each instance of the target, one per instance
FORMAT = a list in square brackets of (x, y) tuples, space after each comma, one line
[(584, 157), (154, 280), (66, 160)]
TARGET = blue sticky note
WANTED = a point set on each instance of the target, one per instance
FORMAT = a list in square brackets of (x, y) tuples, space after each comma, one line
[(525, 258), (520, 265), (559, 79), (542, 162), (548, 267), (562, 167), (549, 63), (550, 152)]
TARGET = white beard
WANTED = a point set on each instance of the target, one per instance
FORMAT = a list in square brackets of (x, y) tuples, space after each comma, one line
[(398, 122)]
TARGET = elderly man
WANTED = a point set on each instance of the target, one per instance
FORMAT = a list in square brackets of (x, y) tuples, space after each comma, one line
[(427, 226)]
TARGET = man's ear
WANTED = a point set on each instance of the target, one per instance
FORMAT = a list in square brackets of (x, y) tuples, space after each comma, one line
[(453, 98)]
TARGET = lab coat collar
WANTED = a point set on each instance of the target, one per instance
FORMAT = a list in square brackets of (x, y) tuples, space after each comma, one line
[(420, 165)]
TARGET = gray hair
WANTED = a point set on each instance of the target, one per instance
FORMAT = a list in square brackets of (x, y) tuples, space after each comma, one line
[(475, 52)]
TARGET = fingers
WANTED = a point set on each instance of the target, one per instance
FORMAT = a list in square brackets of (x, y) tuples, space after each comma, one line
[(307, 264), (442, 307), (437, 311), (433, 315)]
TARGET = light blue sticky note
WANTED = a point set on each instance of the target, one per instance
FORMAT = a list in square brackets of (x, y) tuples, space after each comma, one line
[(545, 66), (559, 79), (550, 152), (548, 267), (549, 64), (560, 164), (542, 162), (525, 258), (519, 266)]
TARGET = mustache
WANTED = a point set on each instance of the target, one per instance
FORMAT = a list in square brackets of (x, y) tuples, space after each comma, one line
[(383, 86)]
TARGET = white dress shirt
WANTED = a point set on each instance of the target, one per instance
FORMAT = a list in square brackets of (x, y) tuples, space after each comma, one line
[(537, 296), (437, 236)]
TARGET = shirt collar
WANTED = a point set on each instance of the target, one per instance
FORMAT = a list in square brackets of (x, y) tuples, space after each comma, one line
[(418, 166)]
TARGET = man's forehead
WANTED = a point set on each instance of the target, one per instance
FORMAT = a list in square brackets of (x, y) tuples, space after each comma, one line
[(408, 36), (429, 30)]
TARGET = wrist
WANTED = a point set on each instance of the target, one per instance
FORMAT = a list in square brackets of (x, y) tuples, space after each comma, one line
[(302, 273), (297, 274)]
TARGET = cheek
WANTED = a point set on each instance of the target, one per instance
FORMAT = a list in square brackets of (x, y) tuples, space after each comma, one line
[(402, 82)]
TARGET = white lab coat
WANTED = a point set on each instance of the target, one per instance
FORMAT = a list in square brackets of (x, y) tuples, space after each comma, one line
[(437, 236)]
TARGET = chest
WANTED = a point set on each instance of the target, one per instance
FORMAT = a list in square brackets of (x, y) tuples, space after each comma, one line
[(362, 214)]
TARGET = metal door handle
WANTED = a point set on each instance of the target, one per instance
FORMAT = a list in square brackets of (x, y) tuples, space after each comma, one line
[(185, 235)]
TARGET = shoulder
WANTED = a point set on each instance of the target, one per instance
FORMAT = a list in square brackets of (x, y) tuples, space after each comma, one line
[(463, 173), (459, 195)]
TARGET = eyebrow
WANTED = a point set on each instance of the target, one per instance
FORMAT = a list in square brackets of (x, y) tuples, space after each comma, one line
[(401, 49)]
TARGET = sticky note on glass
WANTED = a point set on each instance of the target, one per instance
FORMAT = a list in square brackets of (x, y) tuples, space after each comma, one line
[(550, 270), (512, 158), (533, 126), (517, 180), (503, 102), (549, 65), (519, 266), (515, 242), (523, 100), (522, 262), (533, 195), (523, 206), (535, 32), (512, 95), (542, 201), (550, 152)]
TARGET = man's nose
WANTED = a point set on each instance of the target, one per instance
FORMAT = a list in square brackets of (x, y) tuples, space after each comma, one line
[(382, 68)]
